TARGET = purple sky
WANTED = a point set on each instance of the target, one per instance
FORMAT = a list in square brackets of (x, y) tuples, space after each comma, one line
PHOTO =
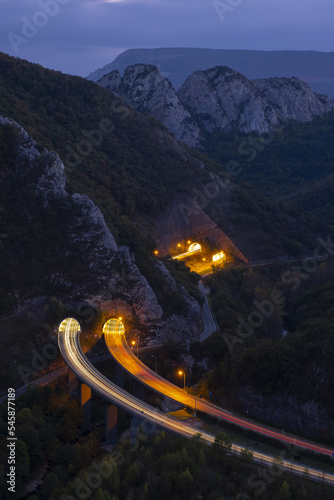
[(79, 36)]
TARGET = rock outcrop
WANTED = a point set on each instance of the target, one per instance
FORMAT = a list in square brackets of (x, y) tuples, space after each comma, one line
[(221, 98), (218, 99), (89, 273), (150, 92), (293, 99)]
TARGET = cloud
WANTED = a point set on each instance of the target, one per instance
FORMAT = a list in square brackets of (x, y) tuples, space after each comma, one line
[(86, 34)]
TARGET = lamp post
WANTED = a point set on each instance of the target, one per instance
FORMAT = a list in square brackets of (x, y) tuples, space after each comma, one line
[(156, 362), (135, 343), (184, 379)]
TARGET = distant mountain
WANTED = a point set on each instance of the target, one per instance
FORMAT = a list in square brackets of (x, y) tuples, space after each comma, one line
[(218, 99), (315, 68)]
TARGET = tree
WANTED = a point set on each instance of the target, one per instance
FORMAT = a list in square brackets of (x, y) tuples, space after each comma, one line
[(247, 455), (50, 483), (24, 416), (101, 495), (284, 492), (30, 436), (221, 445), (185, 482)]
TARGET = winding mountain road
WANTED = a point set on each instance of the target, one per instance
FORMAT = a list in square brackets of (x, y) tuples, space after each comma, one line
[(118, 347), (69, 344)]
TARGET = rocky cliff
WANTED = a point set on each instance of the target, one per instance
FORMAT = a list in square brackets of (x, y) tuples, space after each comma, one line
[(85, 269), (218, 99), (150, 92), (293, 99)]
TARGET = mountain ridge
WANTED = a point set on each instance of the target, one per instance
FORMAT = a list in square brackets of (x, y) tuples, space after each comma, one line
[(314, 67), (216, 99)]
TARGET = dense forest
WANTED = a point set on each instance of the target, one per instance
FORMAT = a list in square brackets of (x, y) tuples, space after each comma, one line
[(253, 307), (66, 462), (293, 164)]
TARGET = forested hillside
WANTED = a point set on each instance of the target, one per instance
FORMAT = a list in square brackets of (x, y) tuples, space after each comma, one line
[(133, 169), (294, 164)]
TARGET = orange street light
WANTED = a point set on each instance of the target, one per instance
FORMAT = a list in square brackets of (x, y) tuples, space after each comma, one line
[(179, 244), (156, 252), (184, 378), (135, 343)]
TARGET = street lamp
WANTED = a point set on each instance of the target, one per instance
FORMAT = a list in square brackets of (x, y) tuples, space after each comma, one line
[(156, 363), (135, 343), (184, 379)]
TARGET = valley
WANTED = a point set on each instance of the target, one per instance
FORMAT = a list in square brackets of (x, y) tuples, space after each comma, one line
[(106, 214)]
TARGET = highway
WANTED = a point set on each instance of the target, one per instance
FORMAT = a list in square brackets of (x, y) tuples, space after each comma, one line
[(70, 348), (49, 377), (54, 375), (118, 347), (210, 325)]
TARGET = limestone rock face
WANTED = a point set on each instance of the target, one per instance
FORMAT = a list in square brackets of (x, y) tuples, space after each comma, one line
[(293, 99), (150, 92), (46, 169), (221, 98), (216, 99)]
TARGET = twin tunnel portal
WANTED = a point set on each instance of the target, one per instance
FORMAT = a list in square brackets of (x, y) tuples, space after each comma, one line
[(83, 377), (195, 248)]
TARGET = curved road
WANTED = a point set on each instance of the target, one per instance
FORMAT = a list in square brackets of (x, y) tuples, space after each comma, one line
[(118, 347), (69, 345), (210, 325)]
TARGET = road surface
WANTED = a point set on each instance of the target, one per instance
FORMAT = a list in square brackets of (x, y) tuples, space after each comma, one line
[(210, 325), (118, 347), (70, 348), (49, 377)]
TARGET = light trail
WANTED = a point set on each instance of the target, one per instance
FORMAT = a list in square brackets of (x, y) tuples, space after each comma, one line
[(70, 348), (118, 347), (193, 248)]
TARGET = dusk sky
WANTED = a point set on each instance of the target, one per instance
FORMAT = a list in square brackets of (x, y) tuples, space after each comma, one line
[(79, 36)]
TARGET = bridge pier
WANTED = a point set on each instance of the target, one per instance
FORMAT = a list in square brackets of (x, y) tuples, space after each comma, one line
[(86, 403), (73, 383), (111, 424)]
